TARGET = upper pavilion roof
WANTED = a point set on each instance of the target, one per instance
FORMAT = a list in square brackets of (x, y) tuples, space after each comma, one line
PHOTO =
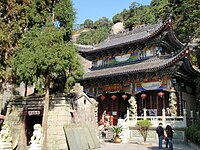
[(137, 35), (151, 64)]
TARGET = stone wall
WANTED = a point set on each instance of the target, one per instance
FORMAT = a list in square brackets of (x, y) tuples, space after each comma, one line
[(59, 115), (14, 118), (79, 109)]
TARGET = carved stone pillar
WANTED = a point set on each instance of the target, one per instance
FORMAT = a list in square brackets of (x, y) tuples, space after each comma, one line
[(173, 102), (133, 106)]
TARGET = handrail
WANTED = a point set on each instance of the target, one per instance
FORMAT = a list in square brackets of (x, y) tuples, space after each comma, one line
[(175, 121)]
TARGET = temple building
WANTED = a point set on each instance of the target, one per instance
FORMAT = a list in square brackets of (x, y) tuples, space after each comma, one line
[(134, 75), (148, 63)]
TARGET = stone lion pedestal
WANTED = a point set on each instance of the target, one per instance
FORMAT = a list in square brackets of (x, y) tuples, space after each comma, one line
[(5, 146), (34, 147)]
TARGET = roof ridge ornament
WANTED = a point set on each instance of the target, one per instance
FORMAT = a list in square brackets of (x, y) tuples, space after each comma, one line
[(87, 46)]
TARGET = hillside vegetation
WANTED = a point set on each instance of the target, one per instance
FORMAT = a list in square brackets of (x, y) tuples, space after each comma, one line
[(185, 15)]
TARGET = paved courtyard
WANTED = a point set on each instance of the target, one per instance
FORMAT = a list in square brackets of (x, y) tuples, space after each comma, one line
[(136, 146)]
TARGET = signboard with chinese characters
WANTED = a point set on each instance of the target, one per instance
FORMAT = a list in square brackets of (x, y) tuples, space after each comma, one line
[(34, 112), (113, 87)]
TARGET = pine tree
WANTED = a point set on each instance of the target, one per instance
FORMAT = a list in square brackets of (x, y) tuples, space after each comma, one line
[(45, 51)]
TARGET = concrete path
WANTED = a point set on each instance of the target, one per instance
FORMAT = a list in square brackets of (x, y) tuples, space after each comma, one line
[(136, 146)]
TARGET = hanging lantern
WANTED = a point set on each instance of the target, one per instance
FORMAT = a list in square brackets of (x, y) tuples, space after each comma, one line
[(114, 97), (143, 96), (102, 97), (124, 96), (2, 117), (161, 94)]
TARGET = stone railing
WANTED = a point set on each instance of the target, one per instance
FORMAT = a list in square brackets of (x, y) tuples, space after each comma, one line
[(178, 121), (175, 121), (129, 124)]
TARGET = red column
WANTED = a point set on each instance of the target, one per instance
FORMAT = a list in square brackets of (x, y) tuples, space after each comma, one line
[(111, 120)]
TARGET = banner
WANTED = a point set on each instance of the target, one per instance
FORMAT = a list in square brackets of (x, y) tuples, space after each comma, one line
[(156, 85)]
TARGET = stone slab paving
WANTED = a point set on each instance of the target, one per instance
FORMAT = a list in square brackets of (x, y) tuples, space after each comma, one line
[(137, 146)]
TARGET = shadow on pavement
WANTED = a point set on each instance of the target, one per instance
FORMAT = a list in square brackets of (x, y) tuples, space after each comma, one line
[(153, 147)]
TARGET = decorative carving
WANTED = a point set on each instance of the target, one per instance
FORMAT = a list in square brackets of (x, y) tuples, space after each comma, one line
[(37, 134), (5, 134), (133, 106), (96, 108), (173, 102)]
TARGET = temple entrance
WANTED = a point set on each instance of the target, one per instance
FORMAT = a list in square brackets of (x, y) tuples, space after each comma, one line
[(154, 101), (30, 121), (113, 106)]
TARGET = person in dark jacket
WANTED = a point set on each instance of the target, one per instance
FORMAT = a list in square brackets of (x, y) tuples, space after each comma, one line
[(169, 137), (160, 132)]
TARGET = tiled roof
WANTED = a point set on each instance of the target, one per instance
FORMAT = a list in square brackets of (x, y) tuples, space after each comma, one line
[(148, 65), (133, 36)]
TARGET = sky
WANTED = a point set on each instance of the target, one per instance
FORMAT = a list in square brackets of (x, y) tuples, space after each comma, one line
[(96, 9)]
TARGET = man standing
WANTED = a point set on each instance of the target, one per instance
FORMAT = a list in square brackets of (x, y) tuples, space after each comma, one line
[(169, 133), (160, 132)]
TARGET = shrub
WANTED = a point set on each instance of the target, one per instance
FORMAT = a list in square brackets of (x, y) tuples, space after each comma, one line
[(196, 138), (143, 127), (193, 134), (190, 131)]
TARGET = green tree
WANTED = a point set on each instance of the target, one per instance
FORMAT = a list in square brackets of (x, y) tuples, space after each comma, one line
[(93, 36), (88, 23), (99, 33), (103, 23), (137, 15), (160, 9), (13, 23), (186, 22), (50, 56), (45, 52), (117, 18)]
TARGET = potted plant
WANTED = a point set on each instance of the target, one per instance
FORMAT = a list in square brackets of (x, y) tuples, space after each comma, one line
[(117, 130)]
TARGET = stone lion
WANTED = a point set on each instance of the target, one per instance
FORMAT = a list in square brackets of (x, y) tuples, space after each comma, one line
[(37, 134), (5, 134)]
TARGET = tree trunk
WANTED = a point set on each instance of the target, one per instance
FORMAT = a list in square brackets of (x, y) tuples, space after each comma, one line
[(145, 134), (26, 87), (6, 96), (45, 112)]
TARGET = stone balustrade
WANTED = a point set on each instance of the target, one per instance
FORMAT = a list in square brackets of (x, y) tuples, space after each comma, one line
[(175, 121)]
